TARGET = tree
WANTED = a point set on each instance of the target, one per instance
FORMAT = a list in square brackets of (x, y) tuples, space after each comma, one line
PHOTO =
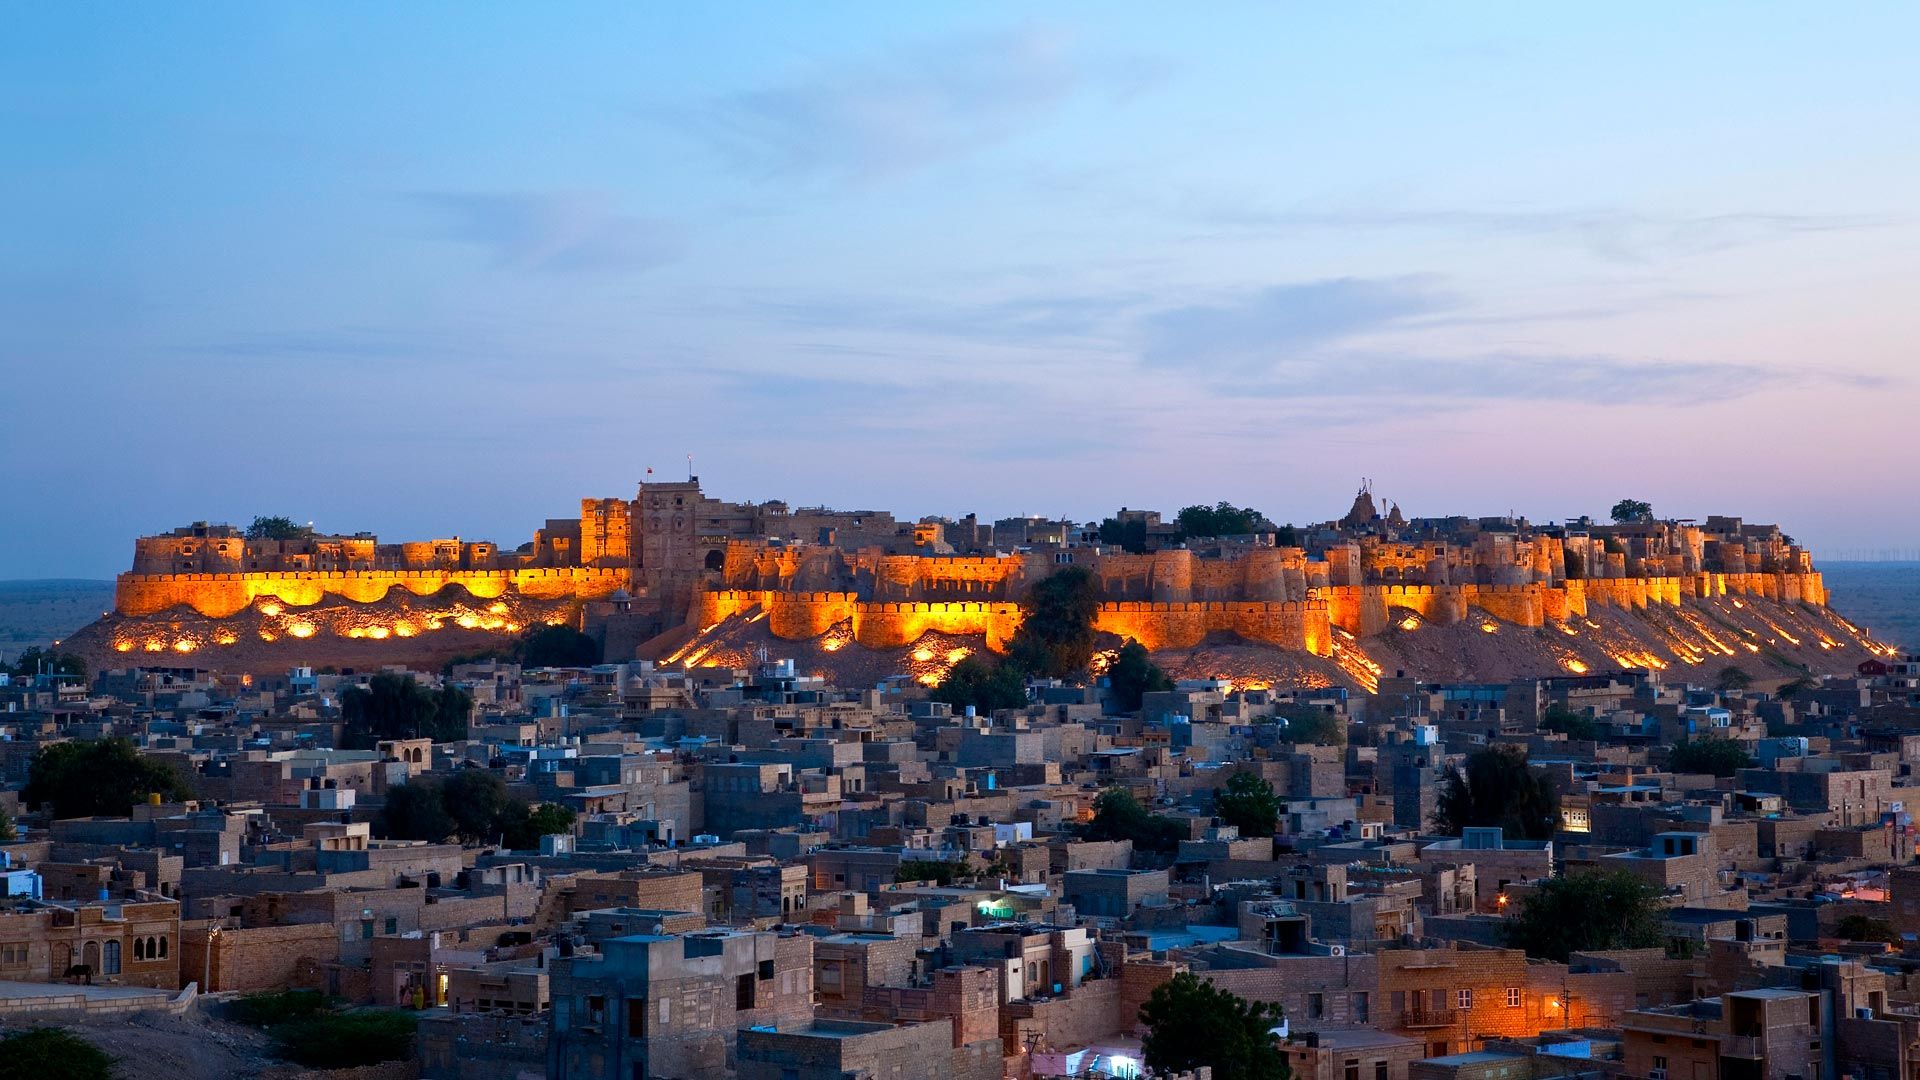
[(346, 1040), (1286, 536), (394, 706), (1313, 724), (1572, 723), (1132, 675), (1733, 677), (1708, 754), (1128, 535), (1221, 519), (37, 661), (523, 826), (1860, 927), (1631, 511), (1248, 804), (8, 834), (984, 684), (415, 811), (98, 777), (556, 646), (52, 1054), (938, 871), (478, 803), (1055, 639), (1499, 790), (275, 528), (1589, 911), (1791, 689), (1117, 815), (1191, 1022)]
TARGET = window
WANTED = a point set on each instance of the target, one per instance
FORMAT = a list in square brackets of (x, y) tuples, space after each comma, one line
[(139, 948), (1380, 1070), (1463, 999), (596, 1010), (636, 1018), (1660, 1063), (1360, 1006), (1316, 1006), (1352, 1071), (110, 958), (393, 925), (163, 946), (1513, 997)]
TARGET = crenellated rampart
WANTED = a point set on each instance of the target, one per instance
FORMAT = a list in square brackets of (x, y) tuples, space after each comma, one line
[(221, 595)]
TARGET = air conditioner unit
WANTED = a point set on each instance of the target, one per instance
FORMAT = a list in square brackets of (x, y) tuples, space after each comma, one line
[(1336, 950)]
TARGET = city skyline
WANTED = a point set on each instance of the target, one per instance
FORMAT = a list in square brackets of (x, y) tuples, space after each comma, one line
[(423, 276)]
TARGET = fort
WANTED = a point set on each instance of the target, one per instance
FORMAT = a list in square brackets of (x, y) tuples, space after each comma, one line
[(673, 561)]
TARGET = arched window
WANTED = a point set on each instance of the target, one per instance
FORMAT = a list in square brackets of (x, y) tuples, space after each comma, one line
[(139, 949), (163, 947)]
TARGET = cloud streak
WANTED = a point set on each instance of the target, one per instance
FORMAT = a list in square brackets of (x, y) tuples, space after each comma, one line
[(1251, 332), (886, 116), (554, 232)]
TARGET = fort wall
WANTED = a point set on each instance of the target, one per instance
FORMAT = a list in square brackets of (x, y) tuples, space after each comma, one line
[(221, 595)]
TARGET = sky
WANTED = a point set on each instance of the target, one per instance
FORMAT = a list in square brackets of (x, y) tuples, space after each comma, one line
[(435, 270)]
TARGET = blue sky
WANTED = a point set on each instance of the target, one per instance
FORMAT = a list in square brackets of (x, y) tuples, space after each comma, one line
[(442, 270)]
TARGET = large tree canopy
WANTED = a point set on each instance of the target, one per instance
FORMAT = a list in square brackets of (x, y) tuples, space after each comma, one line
[(1588, 911), (1221, 519), (98, 777), (1708, 754), (394, 706), (984, 684), (1191, 1022), (1132, 676), (35, 660), (556, 646), (1249, 804), (1631, 511), (1498, 789), (1055, 639), (1117, 815), (275, 528)]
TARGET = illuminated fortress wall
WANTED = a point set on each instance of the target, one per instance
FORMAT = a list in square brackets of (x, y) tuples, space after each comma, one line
[(220, 595)]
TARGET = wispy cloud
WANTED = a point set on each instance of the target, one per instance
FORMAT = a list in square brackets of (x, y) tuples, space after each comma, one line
[(1511, 377), (556, 232), (1041, 317), (1632, 236), (895, 114), (1255, 330)]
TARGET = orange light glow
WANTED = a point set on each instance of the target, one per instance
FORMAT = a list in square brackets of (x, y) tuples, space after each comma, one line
[(301, 629), (923, 654)]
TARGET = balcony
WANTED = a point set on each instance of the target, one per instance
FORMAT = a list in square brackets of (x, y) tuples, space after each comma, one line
[(1742, 1046), (1429, 1018)]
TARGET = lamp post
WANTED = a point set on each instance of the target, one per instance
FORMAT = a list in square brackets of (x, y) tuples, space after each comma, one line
[(206, 964)]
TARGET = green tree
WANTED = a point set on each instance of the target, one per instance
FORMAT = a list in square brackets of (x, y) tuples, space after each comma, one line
[(52, 1054), (415, 811), (1286, 536), (394, 706), (1569, 722), (1733, 677), (275, 528), (523, 826), (346, 1040), (8, 834), (1126, 535), (1708, 754), (1312, 724), (1221, 519), (1589, 911), (1499, 789), (1117, 815), (556, 646), (36, 661), (1631, 511), (984, 684), (1055, 639), (938, 871), (1132, 676), (98, 777), (1862, 927), (478, 803), (1191, 1022), (1248, 804), (1794, 688)]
